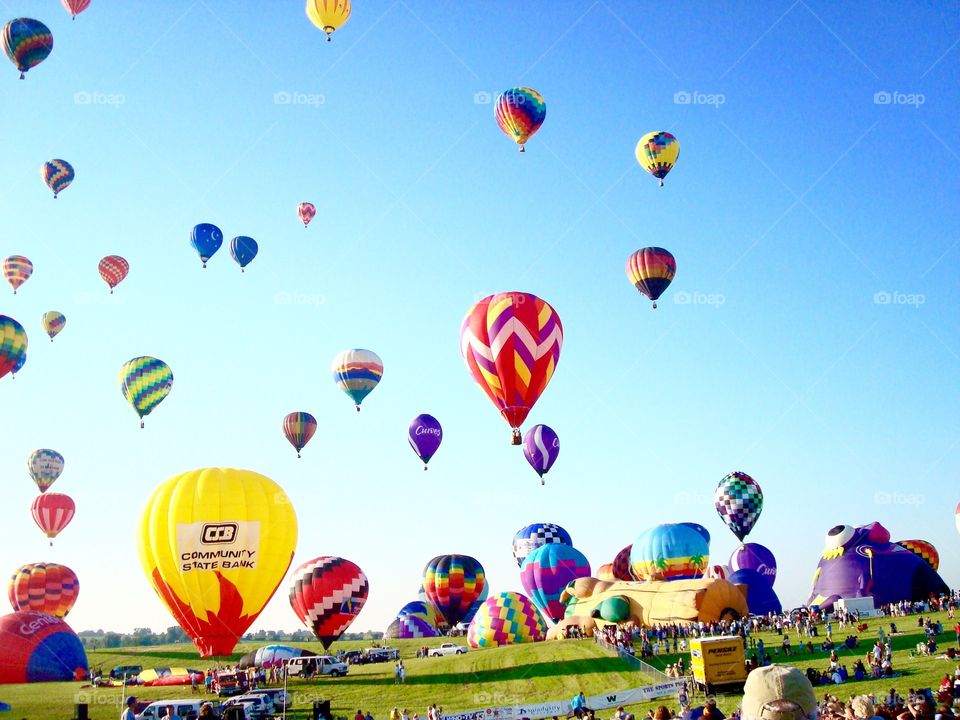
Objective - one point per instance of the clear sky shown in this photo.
(811, 337)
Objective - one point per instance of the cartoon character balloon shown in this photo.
(453, 584)
(306, 211)
(327, 594)
(520, 112)
(357, 373)
(13, 344)
(657, 153)
(673, 551)
(328, 15)
(57, 174)
(507, 618)
(651, 270)
(53, 322)
(739, 501)
(243, 250)
(27, 43)
(547, 571)
(530, 537)
(17, 270)
(541, 448)
(52, 512)
(75, 7)
(511, 344)
(44, 587)
(45, 466)
(215, 543)
(425, 436)
(754, 556)
(206, 240)
(145, 381)
(113, 269)
(299, 427)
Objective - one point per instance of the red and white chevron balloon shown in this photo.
(327, 594)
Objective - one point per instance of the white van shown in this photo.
(316, 665)
(185, 709)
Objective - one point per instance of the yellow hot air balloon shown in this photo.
(328, 15)
(215, 543)
(657, 153)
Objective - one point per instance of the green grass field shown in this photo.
(498, 676)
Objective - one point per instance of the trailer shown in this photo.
(718, 662)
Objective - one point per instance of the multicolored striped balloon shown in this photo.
(651, 270)
(924, 549)
(45, 466)
(739, 501)
(657, 153)
(423, 610)
(27, 43)
(243, 250)
(145, 382)
(57, 174)
(453, 584)
(327, 594)
(52, 512)
(53, 322)
(306, 211)
(44, 587)
(13, 344)
(75, 7)
(113, 269)
(530, 537)
(17, 270)
(299, 427)
(409, 627)
(507, 618)
(357, 373)
(520, 112)
(541, 448)
(547, 571)
(511, 344)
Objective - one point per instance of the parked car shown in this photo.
(316, 665)
(280, 697)
(122, 672)
(446, 649)
(260, 706)
(353, 657)
(185, 709)
(376, 655)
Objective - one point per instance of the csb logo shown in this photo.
(218, 533)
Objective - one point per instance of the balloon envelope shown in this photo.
(113, 269)
(53, 322)
(657, 153)
(507, 618)
(57, 174)
(530, 537)
(675, 551)
(39, 648)
(306, 211)
(425, 436)
(520, 112)
(145, 381)
(621, 564)
(17, 270)
(761, 598)
(357, 372)
(327, 594)
(651, 270)
(75, 7)
(541, 448)
(754, 556)
(739, 501)
(453, 584)
(298, 428)
(243, 250)
(13, 344)
(206, 240)
(547, 571)
(27, 43)
(924, 549)
(45, 466)
(328, 15)
(409, 627)
(52, 512)
(44, 587)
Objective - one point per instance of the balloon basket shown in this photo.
(515, 438)
(654, 305)
(424, 468)
(542, 482)
(298, 456)
(523, 149)
(141, 424)
(358, 408)
(661, 182)
(22, 76)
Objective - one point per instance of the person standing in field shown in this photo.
(128, 713)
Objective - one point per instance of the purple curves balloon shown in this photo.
(754, 556)
(425, 435)
(541, 447)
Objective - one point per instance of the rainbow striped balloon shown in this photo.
(13, 344)
(651, 271)
(145, 382)
(299, 427)
(520, 112)
(357, 373)
(17, 270)
(27, 43)
(506, 619)
(43, 587)
(53, 322)
(57, 174)
(453, 584)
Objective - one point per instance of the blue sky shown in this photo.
(810, 337)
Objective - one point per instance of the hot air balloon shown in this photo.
(52, 512)
(27, 43)
(299, 427)
(547, 571)
(657, 153)
(53, 323)
(145, 381)
(44, 587)
(357, 373)
(754, 556)
(511, 344)
(327, 594)
(530, 537)
(20, 363)
(243, 250)
(215, 543)
(520, 112)
(17, 270)
(206, 240)
(13, 344)
(422, 610)
(306, 211)
(425, 435)
(924, 549)
(739, 500)
(75, 7)
(328, 15)
(673, 551)
(39, 648)
(409, 627)
(541, 447)
(507, 618)
(57, 174)
(650, 270)
(45, 466)
(453, 584)
(113, 269)
(621, 564)
(718, 572)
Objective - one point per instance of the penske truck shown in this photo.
(718, 662)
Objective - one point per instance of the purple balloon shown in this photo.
(541, 446)
(754, 556)
(425, 435)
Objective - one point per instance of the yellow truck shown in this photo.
(718, 661)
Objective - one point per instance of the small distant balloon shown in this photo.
(425, 435)
(299, 427)
(520, 112)
(357, 372)
(45, 466)
(657, 153)
(53, 322)
(206, 240)
(651, 270)
(541, 447)
(27, 43)
(13, 345)
(52, 512)
(306, 211)
(145, 381)
(328, 15)
(17, 270)
(243, 250)
(75, 7)
(113, 269)
(57, 174)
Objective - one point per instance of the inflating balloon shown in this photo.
(761, 597)
(13, 345)
(38, 647)
(547, 571)
(924, 549)
(754, 556)
(357, 373)
(206, 240)
(423, 610)
(243, 250)
(718, 572)
(657, 153)
(621, 564)
(673, 551)
(57, 174)
(45, 466)
(328, 15)
(327, 594)
(17, 270)
(530, 537)
(425, 436)
(53, 322)
(52, 512)
(409, 627)
(453, 584)
(113, 269)
(739, 500)
(145, 381)
(507, 618)
(511, 344)
(651, 270)
(27, 43)
(75, 7)
(215, 543)
(299, 427)
(541, 447)
(520, 112)
(44, 587)
(306, 211)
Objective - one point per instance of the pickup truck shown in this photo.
(446, 649)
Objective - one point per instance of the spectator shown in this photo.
(861, 708)
(171, 715)
(359, 715)
(778, 692)
(662, 713)
(129, 713)
(578, 706)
